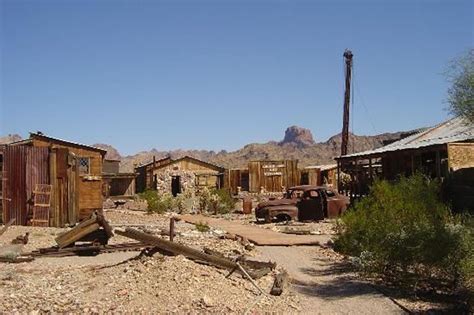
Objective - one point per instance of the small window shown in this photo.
(313, 194)
(83, 165)
(330, 193)
(202, 180)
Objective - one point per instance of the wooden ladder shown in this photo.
(42, 204)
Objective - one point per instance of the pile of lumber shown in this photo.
(95, 230)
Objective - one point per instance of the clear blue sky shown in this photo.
(221, 74)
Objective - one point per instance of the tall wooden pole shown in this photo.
(347, 97)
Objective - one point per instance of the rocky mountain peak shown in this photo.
(10, 138)
(112, 153)
(299, 136)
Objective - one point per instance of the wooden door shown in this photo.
(72, 191)
(175, 185)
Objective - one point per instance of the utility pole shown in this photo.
(347, 97)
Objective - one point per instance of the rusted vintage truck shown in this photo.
(303, 203)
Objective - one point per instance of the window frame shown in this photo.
(79, 165)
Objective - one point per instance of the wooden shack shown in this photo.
(445, 152)
(116, 183)
(320, 175)
(175, 176)
(273, 176)
(237, 180)
(70, 173)
(263, 176)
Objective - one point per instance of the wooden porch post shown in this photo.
(438, 164)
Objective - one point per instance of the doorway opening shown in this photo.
(175, 185)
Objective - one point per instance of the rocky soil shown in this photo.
(127, 282)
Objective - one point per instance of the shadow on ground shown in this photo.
(331, 280)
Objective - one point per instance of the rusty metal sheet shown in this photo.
(37, 172)
(14, 184)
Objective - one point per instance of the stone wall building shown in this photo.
(176, 176)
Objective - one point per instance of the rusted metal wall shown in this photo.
(37, 172)
(23, 168)
(14, 185)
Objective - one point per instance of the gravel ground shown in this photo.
(126, 282)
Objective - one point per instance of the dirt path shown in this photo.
(256, 235)
(324, 285)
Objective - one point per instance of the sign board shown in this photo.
(273, 169)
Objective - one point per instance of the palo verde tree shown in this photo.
(460, 74)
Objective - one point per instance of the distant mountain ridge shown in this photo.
(298, 143)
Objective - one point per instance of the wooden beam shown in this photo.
(179, 249)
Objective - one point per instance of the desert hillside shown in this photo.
(298, 143)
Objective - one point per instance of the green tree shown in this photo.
(461, 93)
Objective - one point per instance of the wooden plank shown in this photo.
(78, 234)
(179, 249)
(54, 210)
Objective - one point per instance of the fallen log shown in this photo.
(179, 249)
(281, 279)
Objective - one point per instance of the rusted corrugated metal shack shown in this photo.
(72, 170)
(445, 151)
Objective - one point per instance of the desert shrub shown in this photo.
(202, 227)
(216, 201)
(224, 203)
(157, 202)
(402, 229)
(467, 263)
(204, 199)
(179, 203)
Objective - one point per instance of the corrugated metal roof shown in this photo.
(66, 142)
(453, 130)
(324, 167)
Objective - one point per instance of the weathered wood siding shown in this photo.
(89, 186)
(119, 186)
(273, 175)
(236, 178)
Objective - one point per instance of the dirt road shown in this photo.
(256, 235)
(324, 284)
